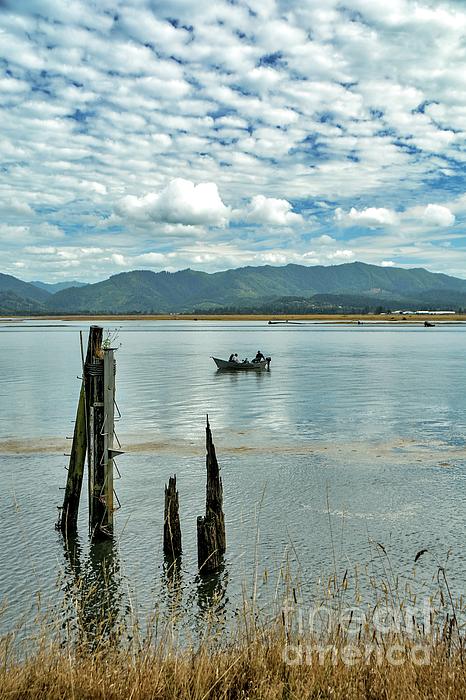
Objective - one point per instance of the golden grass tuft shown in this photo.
(250, 669)
(247, 659)
(394, 646)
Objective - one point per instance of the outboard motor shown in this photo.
(268, 360)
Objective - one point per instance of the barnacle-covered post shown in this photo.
(211, 537)
(171, 525)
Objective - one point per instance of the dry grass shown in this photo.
(371, 636)
(251, 668)
(260, 655)
(364, 633)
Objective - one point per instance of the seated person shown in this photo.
(259, 357)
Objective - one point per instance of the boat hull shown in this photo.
(240, 366)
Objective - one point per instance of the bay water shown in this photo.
(350, 452)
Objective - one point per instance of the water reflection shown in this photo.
(95, 609)
(211, 592)
(172, 586)
(93, 595)
(235, 376)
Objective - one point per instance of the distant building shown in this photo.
(430, 313)
(435, 313)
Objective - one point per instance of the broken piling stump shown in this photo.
(171, 525)
(211, 537)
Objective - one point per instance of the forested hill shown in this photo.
(143, 291)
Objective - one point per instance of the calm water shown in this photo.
(355, 436)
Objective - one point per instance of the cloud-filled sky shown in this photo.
(164, 134)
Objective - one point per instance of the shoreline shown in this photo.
(365, 319)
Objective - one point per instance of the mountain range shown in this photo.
(57, 286)
(350, 286)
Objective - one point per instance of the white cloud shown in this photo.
(11, 85)
(119, 259)
(151, 259)
(40, 250)
(9, 235)
(180, 202)
(268, 210)
(15, 207)
(262, 78)
(318, 102)
(13, 235)
(438, 215)
(344, 254)
(324, 240)
(371, 217)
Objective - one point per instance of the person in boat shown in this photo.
(259, 357)
(231, 358)
(234, 358)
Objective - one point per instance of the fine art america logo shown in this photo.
(388, 635)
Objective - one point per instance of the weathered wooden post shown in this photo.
(171, 525)
(94, 381)
(100, 395)
(211, 538)
(69, 511)
(94, 435)
(109, 418)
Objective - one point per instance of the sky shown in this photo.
(161, 135)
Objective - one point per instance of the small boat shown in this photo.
(238, 366)
(285, 323)
(428, 324)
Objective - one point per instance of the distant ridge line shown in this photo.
(292, 288)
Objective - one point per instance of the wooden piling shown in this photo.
(79, 447)
(69, 512)
(100, 394)
(94, 435)
(94, 382)
(109, 418)
(171, 525)
(211, 537)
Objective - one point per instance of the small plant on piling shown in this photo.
(111, 339)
